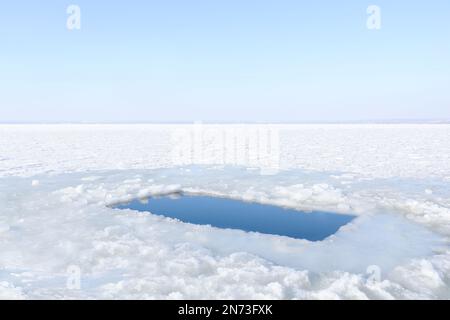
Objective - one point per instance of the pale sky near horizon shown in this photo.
(224, 60)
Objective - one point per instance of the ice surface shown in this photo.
(57, 180)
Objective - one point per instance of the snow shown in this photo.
(57, 182)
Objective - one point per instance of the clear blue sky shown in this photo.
(224, 60)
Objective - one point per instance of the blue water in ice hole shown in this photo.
(247, 216)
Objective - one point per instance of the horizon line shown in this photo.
(390, 121)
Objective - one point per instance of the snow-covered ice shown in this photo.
(56, 182)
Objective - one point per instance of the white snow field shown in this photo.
(59, 239)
